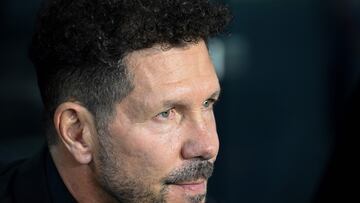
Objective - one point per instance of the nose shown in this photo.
(202, 141)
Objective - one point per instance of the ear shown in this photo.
(76, 130)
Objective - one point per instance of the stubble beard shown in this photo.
(118, 183)
(126, 189)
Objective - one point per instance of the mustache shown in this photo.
(193, 171)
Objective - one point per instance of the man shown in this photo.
(128, 89)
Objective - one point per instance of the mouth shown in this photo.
(198, 186)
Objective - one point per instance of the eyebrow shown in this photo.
(216, 94)
(171, 103)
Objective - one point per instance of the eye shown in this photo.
(206, 104)
(165, 115)
(209, 103)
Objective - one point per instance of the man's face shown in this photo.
(162, 142)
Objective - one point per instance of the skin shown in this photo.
(159, 134)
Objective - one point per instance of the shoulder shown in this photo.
(7, 175)
(24, 180)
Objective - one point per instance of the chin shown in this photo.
(187, 199)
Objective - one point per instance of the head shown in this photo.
(128, 89)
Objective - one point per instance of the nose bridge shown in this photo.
(202, 141)
(199, 122)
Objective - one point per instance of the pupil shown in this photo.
(206, 103)
(165, 114)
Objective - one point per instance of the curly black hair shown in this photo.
(78, 45)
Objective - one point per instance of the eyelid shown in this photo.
(212, 101)
(168, 109)
(170, 113)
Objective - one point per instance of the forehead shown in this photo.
(180, 66)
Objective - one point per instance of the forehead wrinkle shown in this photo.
(143, 60)
(151, 79)
(179, 89)
(185, 93)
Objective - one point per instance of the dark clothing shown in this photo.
(33, 180)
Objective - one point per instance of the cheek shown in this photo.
(146, 151)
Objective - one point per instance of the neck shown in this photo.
(78, 178)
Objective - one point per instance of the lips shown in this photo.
(194, 186)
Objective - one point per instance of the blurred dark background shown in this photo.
(289, 112)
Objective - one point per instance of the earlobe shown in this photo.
(81, 154)
(72, 126)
